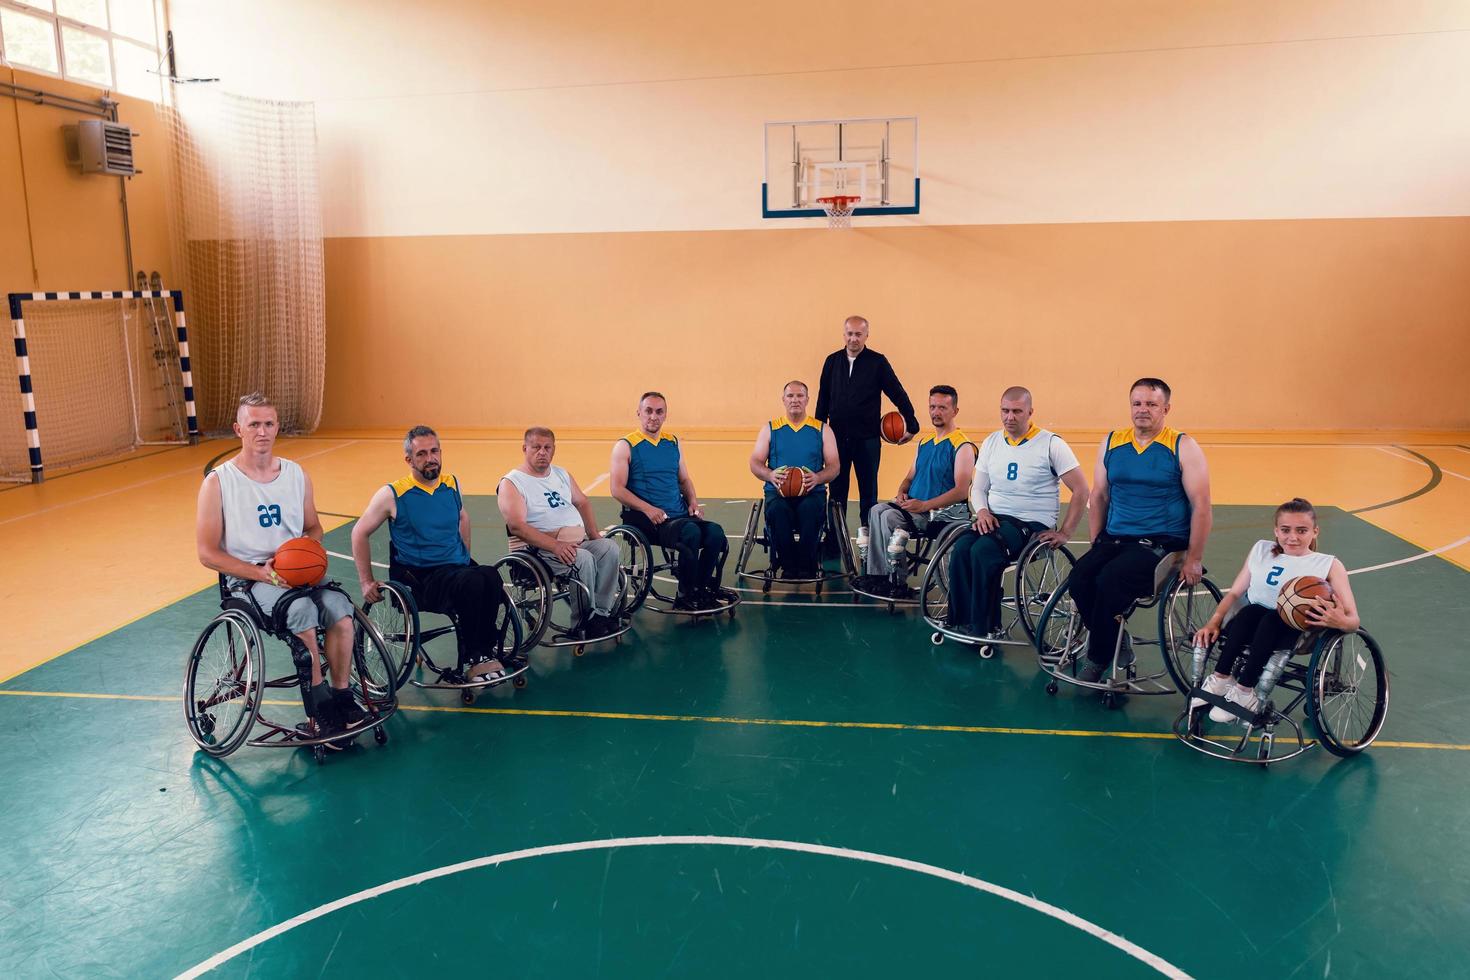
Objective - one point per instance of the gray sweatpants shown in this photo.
(887, 517)
(303, 614)
(597, 568)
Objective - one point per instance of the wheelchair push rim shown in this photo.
(1061, 652)
(1347, 691)
(396, 617)
(235, 679)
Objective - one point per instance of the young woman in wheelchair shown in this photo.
(1257, 630)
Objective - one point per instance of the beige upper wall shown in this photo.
(460, 118)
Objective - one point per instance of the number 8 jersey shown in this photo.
(1270, 572)
(260, 517)
(1023, 475)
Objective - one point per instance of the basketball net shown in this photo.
(839, 209)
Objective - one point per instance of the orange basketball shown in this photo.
(791, 483)
(300, 561)
(1297, 597)
(893, 428)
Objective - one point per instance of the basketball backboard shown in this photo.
(874, 159)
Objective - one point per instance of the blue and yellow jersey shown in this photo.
(653, 471)
(1146, 495)
(795, 445)
(425, 531)
(934, 464)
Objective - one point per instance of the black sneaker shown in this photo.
(347, 708)
(597, 625)
(688, 602)
(900, 590)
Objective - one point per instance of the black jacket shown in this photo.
(851, 405)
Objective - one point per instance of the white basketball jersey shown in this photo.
(548, 499)
(1270, 572)
(1024, 478)
(260, 517)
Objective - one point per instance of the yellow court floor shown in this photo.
(92, 550)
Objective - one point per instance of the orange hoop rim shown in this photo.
(840, 201)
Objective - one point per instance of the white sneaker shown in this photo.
(1243, 696)
(1214, 684)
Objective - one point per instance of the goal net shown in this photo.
(247, 241)
(100, 373)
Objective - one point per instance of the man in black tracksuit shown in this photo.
(853, 379)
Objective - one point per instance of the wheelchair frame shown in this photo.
(834, 527)
(636, 560)
(1062, 659)
(1310, 683)
(1024, 604)
(935, 534)
(542, 627)
(246, 623)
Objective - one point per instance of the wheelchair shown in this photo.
(1061, 636)
(755, 536)
(643, 575)
(1037, 572)
(537, 592)
(913, 561)
(398, 619)
(1340, 677)
(225, 678)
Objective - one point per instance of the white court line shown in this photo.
(1404, 561)
(157, 479)
(1412, 459)
(595, 483)
(338, 554)
(495, 860)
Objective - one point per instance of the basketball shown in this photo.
(1297, 597)
(893, 428)
(791, 483)
(300, 561)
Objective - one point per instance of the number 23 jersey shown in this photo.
(260, 517)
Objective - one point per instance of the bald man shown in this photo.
(849, 394)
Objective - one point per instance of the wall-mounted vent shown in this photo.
(101, 147)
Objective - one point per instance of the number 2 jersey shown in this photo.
(260, 517)
(1270, 572)
(1023, 474)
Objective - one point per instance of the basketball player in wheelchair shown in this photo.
(796, 457)
(1297, 601)
(249, 507)
(430, 570)
(932, 500)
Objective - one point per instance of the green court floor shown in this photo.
(129, 854)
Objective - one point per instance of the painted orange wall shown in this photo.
(1368, 318)
(75, 235)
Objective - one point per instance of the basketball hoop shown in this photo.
(839, 209)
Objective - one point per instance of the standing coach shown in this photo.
(848, 400)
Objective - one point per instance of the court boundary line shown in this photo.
(1436, 477)
(715, 719)
(1153, 960)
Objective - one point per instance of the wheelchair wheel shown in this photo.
(1182, 611)
(934, 591)
(528, 587)
(397, 618)
(748, 539)
(222, 683)
(635, 558)
(375, 671)
(1347, 691)
(1040, 572)
(1061, 636)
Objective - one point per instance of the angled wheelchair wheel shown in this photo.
(374, 668)
(223, 683)
(934, 590)
(396, 617)
(1061, 636)
(1040, 572)
(528, 587)
(748, 539)
(836, 526)
(1183, 609)
(635, 558)
(1347, 691)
